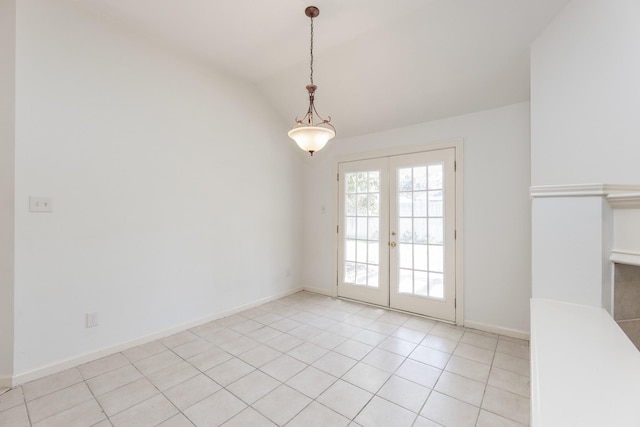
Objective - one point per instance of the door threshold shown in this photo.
(397, 310)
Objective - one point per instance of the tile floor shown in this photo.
(304, 360)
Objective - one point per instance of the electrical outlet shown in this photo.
(92, 320)
(40, 204)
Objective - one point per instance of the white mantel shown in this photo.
(577, 231)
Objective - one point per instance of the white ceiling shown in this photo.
(379, 64)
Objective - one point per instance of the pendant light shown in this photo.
(312, 133)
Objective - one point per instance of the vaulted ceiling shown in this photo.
(379, 64)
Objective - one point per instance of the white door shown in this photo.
(397, 232)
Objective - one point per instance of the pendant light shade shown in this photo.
(312, 132)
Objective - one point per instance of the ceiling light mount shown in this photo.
(312, 135)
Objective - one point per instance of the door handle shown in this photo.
(392, 244)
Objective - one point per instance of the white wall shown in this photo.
(497, 270)
(175, 188)
(585, 95)
(7, 139)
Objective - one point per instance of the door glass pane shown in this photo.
(420, 226)
(362, 228)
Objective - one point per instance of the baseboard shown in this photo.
(6, 381)
(106, 351)
(513, 333)
(321, 291)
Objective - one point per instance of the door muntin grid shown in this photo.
(362, 228)
(420, 230)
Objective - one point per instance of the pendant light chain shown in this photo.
(311, 51)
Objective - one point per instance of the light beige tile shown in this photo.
(439, 343)
(253, 386)
(173, 375)
(383, 359)
(143, 351)
(283, 367)
(112, 380)
(268, 318)
(51, 383)
(85, 414)
(207, 329)
(209, 359)
(259, 355)
(306, 332)
(192, 391)
(284, 342)
(311, 381)
(125, 397)
(100, 366)
(479, 340)
(382, 413)
(215, 409)
(509, 381)
(394, 318)
(409, 334)
(282, 404)
(369, 337)
(253, 312)
(405, 393)
(420, 324)
(366, 377)
(397, 346)
(229, 371)
(448, 411)
(371, 312)
(15, 416)
(151, 412)
(334, 364)
(353, 349)
(472, 352)
(11, 398)
(430, 356)
(238, 345)
(382, 327)
(514, 349)
(468, 368)
(488, 419)
(249, 417)
(507, 405)
(323, 323)
(193, 348)
(328, 340)
(178, 420)
(307, 352)
(285, 325)
(461, 388)
(222, 336)
(423, 422)
(247, 326)
(317, 415)
(58, 401)
(345, 398)
(447, 331)
(419, 373)
(178, 339)
(264, 334)
(157, 362)
(344, 329)
(359, 321)
(512, 364)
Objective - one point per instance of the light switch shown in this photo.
(40, 204)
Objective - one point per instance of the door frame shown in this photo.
(457, 144)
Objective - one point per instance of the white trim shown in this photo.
(513, 333)
(580, 190)
(97, 354)
(625, 257)
(458, 145)
(325, 292)
(624, 200)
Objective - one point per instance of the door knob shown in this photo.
(392, 244)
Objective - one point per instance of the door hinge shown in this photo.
(455, 166)
(337, 229)
(338, 177)
(455, 303)
(455, 234)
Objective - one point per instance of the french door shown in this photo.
(396, 232)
